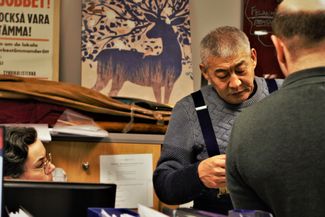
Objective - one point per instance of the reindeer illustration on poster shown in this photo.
(137, 42)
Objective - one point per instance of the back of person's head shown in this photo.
(300, 24)
(224, 42)
(17, 140)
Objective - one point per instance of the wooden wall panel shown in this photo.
(70, 155)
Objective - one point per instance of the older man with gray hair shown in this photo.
(192, 162)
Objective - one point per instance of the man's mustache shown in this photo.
(240, 89)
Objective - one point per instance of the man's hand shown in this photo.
(212, 171)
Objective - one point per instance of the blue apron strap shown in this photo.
(206, 124)
(272, 85)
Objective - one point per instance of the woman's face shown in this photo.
(37, 166)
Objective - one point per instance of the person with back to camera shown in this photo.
(192, 164)
(25, 156)
(278, 165)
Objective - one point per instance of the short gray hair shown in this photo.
(224, 41)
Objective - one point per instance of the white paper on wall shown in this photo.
(133, 175)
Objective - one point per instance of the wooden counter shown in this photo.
(73, 154)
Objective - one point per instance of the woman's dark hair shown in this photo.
(17, 140)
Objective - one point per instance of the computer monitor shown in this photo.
(56, 199)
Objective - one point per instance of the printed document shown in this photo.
(133, 175)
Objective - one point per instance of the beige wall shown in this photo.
(205, 15)
(70, 41)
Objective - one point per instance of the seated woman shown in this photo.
(25, 155)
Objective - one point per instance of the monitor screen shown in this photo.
(1, 164)
(56, 199)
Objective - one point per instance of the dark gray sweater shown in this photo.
(276, 156)
(176, 179)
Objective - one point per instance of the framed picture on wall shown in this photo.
(137, 48)
(29, 38)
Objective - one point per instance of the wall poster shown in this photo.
(29, 38)
(258, 16)
(137, 48)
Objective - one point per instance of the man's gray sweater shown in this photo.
(176, 178)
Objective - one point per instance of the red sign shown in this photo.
(258, 16)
